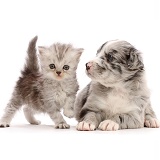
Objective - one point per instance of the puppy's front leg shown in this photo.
(90, 121)
(150, 118)
(131, 120)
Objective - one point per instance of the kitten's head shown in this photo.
(116, 61)
(59, 61)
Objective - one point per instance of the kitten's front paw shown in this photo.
(4, 124)
(68, 113)
(108, 125)
(62, 126)
(35, 122)
(84, 126)
(152, 123)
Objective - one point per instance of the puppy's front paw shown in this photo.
(152, 123)
(108, 125)
(68, 113)
(84, 126)
(62, 126)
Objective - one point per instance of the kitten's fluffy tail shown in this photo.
(31, 65)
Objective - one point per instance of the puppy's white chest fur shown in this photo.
(116, 101)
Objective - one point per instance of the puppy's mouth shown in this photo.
(88, 73)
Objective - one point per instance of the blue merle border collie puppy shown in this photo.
(117, 97)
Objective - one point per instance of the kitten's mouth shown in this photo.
(59, 77)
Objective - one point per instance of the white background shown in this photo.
(86, 24)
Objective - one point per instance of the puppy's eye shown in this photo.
(109, 57)
(66, 67)
(102, 58)
(52, 66)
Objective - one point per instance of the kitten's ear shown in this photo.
(79, 51)
(134, 60)
(42, 49)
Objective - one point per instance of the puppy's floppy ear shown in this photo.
(134, 60)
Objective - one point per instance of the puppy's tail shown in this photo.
(31, 65)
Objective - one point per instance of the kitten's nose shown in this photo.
(58, 72)
(88, 65)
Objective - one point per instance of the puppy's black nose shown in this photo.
(87, 67)
(58, 72)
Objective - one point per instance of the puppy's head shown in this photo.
(116, 61)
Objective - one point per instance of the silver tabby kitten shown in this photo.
(117, 97)
(48, 88)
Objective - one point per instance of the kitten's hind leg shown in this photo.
(29, 115)
(10, 110)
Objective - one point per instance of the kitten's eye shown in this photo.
(66, 67)
(109, 57)
(52, 66)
